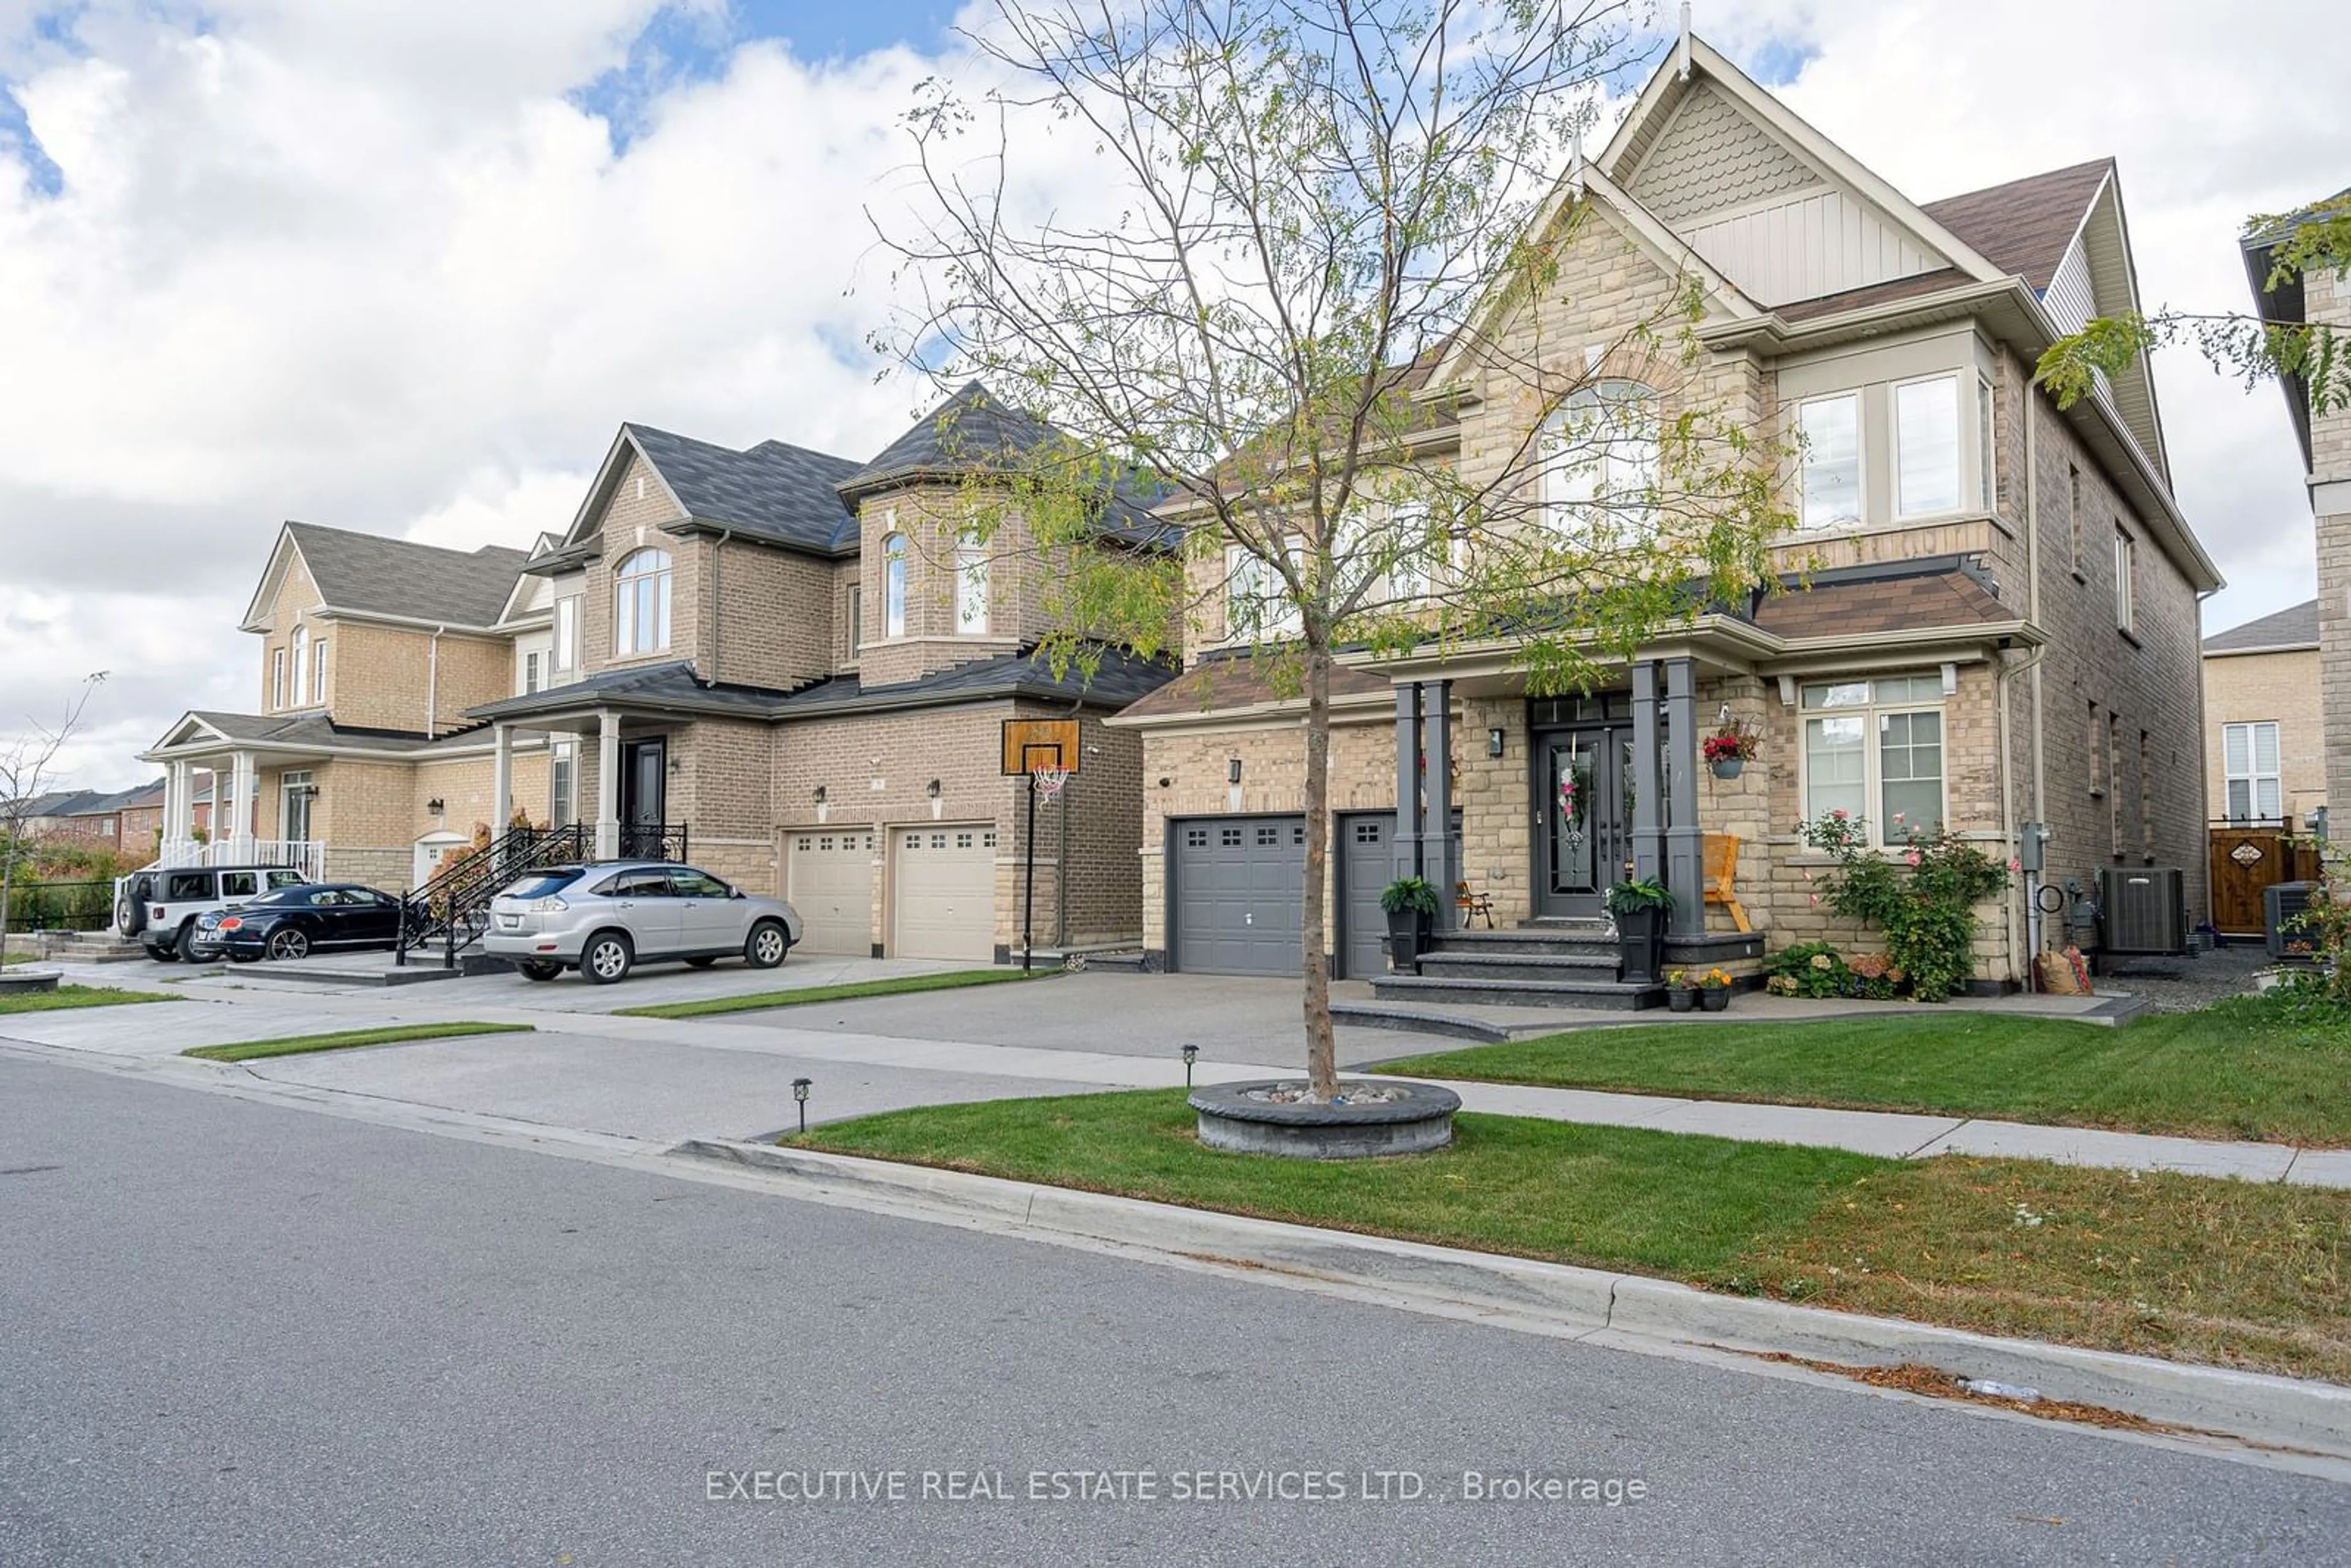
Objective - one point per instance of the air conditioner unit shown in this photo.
(2145, 912)
(2282, 906)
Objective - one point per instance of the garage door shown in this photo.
(945, 899)
(1366, 866)
(832, 887)
(1240, 889)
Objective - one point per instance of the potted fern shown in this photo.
(1411, 904)
(1640, 907)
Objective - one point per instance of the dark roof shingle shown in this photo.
(1953, 598)
(781, 492)
(2294, 627)
(369, 572)
(970, 430)
(1219, 682)
(2024, 226)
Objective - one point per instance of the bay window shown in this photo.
(1830, 489)
(971, 587)
(1873, 750)
(1926, 446)
(894, 586)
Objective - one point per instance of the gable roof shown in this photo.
(775, 491)
(2025, 227)
(370, 574)
(2293, 627)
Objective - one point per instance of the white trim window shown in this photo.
(640, 604)
(2249, 759)
(562, 773)
(318, 673)
(1257, 601)
(531, 675)
(894, 586)
(1412, 570)
(1829, 473)
(1599, 459)
(1987, 450)
(276, 679)
(2126, 582)
(301, 662)
(1873, 750)
(565, 652)
(1926, 446)
(971, 587)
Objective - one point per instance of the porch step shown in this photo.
(1518, 965)
(95, 948)
(1611, 995)
(1133, 963)
(1554, 940)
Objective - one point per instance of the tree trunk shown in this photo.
(1322, 1048)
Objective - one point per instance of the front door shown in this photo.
(645, 780)
(1583, 817)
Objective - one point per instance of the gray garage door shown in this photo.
(1239, 891)
(1366, 866)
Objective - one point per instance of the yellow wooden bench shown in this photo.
(1721, 876)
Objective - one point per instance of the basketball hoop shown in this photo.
(1050, 782)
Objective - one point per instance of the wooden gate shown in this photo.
(2246, 862)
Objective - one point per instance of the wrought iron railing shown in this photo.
(652, 842)
(453, 909)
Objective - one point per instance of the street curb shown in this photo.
(2280, 1411)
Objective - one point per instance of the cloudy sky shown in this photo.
(403, 264)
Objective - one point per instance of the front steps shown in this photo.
(1539, 966)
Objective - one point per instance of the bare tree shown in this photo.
(1325, 226)
(28, 770)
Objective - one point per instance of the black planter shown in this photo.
(1407, 935)
(1641, 945)
(1682, 1001)
(1715, 998)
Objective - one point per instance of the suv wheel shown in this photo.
(539, 969)
(606, 958)
(164, 955)
(288, 944)
(768, 945)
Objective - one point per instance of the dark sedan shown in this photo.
(296, 922)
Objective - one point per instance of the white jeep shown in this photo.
(159, 906)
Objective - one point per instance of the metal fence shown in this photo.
(61, 907)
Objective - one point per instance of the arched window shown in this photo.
(1598, 454)
(971, 586)
(640, 604)
(894, 586)
(301, 663)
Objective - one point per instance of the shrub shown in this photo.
(1923, 899)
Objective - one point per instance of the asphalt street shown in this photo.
(240, 1334)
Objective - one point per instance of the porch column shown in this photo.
(245, 785)
(179, 803)
(1407, 822)
(1684, 834)
(1648, 789)
(501, 778)
(607, 786)
(1436, 826)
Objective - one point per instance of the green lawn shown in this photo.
(2242, 1070)
(2223, 1272)
(66, 996)
(300, 1044)
(952, 980)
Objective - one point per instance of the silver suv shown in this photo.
(603, 920)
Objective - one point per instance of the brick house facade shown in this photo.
(764, 654)
(2000, 627)
(2265, 721)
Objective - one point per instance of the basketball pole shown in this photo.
(1028, 880)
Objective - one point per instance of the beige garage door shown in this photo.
(946, 890)
(832, 888)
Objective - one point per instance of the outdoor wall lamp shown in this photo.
(677, 765)
(1493, 743)
(1191, 1055)
(819, 794)
(932, 789)
(436, 807)
(800, 1097)
(1233, 771)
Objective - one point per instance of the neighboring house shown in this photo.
(2000, 626)
(2320, 298)
(2265, 725)
(791, 667)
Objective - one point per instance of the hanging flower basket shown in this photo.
(1727, 750)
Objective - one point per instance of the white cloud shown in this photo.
(370, 264)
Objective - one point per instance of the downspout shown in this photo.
(2040, 729)
(432, 683)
